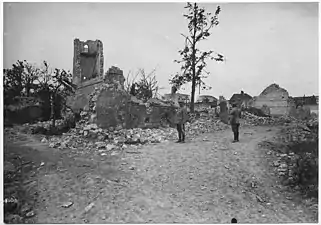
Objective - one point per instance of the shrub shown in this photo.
(304, 168)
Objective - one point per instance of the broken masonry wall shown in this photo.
(28, 114)
(88, 61)
(24, 110)
(276, 106)
(111, 108)
(302, 112)
(80, 100)
(275, 98)
(313, 108)
(157, 114)
(224, 112)
(114, 107)
(104, 97)
(136, 115)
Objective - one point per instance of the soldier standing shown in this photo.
(235, 116)
(182, 117)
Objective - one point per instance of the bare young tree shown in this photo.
(130, 81)
(193, 59)
(143, 85)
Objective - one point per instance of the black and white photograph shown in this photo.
(201, 112)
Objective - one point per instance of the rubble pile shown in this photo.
(17, 202)
(87, 135)
(297, 132)
(313, 123)
(90, 136)
(35, 127)
(204, 125)
(297, 169)
(253, 120)
(296, 154)
(285, 165)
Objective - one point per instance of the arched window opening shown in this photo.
(86, 48)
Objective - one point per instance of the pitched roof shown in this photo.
(209, 97)
(242, 96)
(272, 88)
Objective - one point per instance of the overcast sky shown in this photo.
(264, 43)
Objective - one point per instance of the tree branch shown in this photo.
(187, 38)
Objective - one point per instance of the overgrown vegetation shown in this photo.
(44, 85)
(142, 85)
(306, 170)
(193, 60)
(300, 162)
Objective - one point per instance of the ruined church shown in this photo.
(103, 95)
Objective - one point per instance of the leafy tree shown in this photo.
(24, 79)
(19, 80)
(56, 87)
(60, 89)
(193, 60)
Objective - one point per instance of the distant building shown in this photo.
(177, 97)
(241, 99)
(205, 102)
(309, 101)
(207, 99)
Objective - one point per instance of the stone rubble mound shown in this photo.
(251, 119)
(87, 135)
(296, 152)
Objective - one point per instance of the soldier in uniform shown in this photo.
(181, 119)
(235, 116)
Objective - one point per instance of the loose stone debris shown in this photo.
(88, 136)
(67, 204)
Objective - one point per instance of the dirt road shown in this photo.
(206, 180)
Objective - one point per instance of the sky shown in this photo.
(263, 43)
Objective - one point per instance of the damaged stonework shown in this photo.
(112, 100)
(88, 61)
(116, 108)
(274, 100)
(88, 71)
(104, 100)
(109, 105)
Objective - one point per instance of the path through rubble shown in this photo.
(205, 180)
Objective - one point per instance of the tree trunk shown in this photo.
(193, 95)
(193, 63)
(53, 117)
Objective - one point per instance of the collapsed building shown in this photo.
(103, 96)
(274, 100)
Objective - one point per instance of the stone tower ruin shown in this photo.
(88, 60)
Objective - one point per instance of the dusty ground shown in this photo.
(206, 180)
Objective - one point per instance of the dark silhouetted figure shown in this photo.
(174, 90)
(235, 122)
(233, 220)
(133, 89)
(182, 117)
